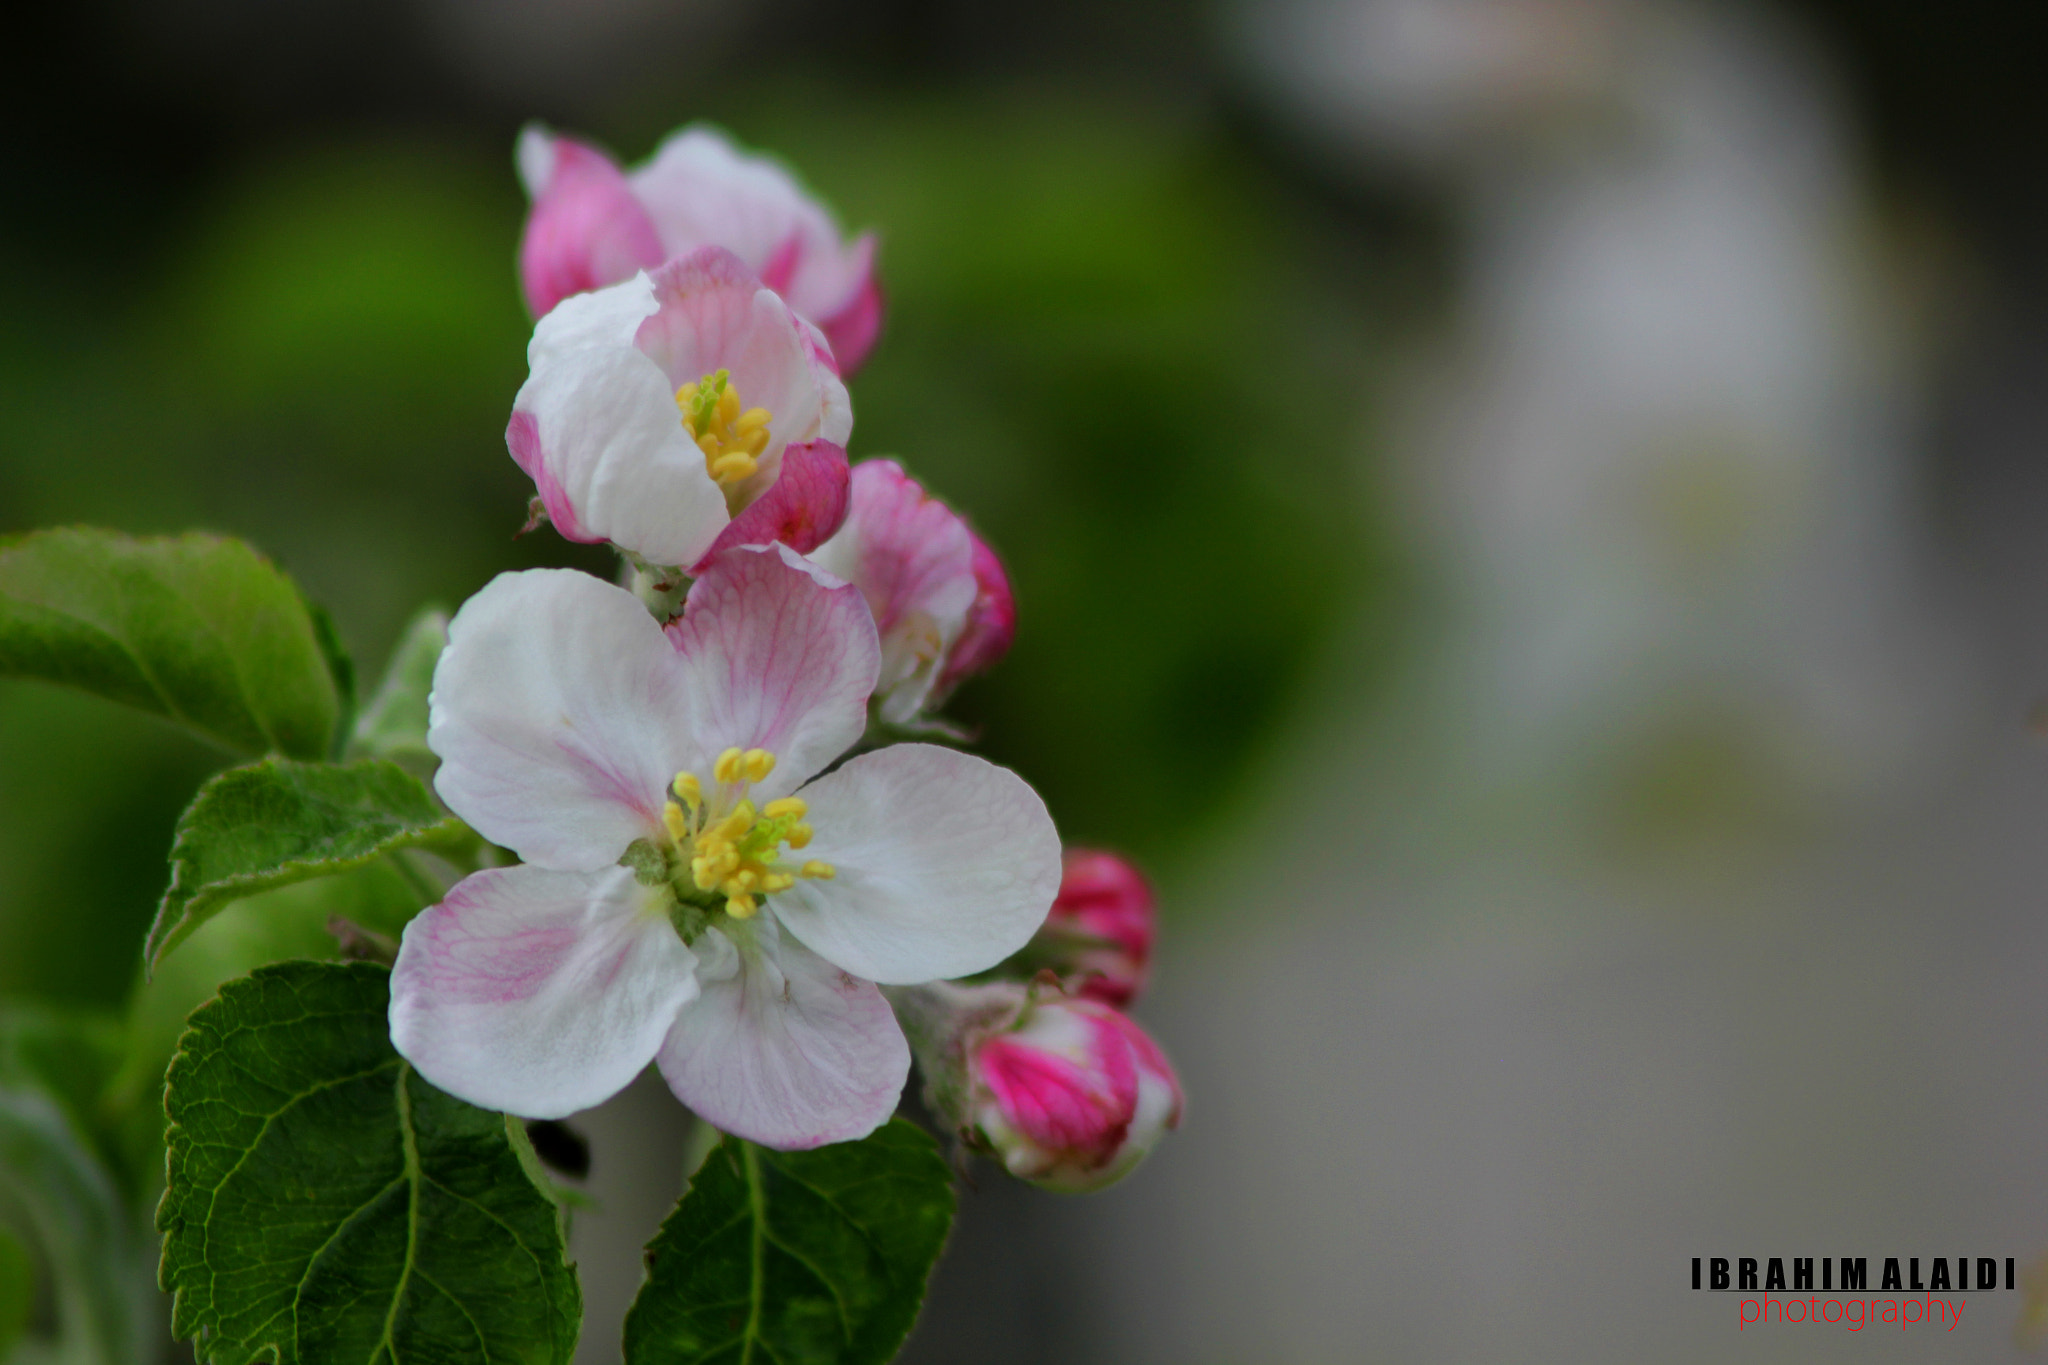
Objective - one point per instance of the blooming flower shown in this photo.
(939, 595)
(594, 225)
(686, 897)
(682, 412)
(1066, 1092)
(1101, 928)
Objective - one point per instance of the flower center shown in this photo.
(732, 440)
(729, 846)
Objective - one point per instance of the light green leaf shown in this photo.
(55, 1189)
(197, 628)
(394, 724)
(279, 821)
(326, 1204)
(796, 1258)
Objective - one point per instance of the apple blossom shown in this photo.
(593, 224)
(1067, 1093)
(686, 897)
(682, 412)
(1100, 931)
(939, 595)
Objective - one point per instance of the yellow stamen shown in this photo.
(740, 907)
(727, 769)
(760, 763)
(786, 805)
(799, 836)
(677, 824)
(689, 790)
(818, 870)
(731, 437)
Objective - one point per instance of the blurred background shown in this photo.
(1526, 516)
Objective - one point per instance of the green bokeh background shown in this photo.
(1122, 341)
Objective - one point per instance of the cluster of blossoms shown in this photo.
(726, 867)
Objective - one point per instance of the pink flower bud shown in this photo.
(1072, 1096)
(1100, 931)
(991, 621)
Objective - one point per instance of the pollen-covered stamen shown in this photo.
(731, 847)
(731, 438)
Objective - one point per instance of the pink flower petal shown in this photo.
(913, 560)
(701, 190)
(586, 230)
(781, 1047)
(601, 434)
(539, 993)
(804, 506)
(559, 714)
(776, 655)
(945, 865)
(991, 622)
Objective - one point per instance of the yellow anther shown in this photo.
(740, 907)
(786, 805)
(677, 824)
(685, 396)
(817, 870)
(728, 405)
(733, 466)
(689, 790)
(703, 874)
(799, 836)
(728, 769)
(760, 763)
(753, 419)
(777, 881)
(741, 882)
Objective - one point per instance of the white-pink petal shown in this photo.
(698, 188)
(558, 712)
(945, 865)
(713, 314)
(912, 558)
(606, 432)
(776, 655)
(782, 1048)
(539, 993)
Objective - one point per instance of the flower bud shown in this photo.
(1074, 1096)
(1100, 931)
(1067, 1093)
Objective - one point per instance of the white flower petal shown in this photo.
(539, 993)
(558, 711)
(783, 1048)
(779, 656)
(609, 435)
(945, 863)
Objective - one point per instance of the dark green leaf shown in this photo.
(196, 628)
(91, 1245)
(340, 667)
(326, 1204)
(280, 821)
(394, 724)
(796, 1258)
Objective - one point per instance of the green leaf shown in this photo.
(394, 724)
(279, 821)
(796, 1258)
(196, 628)
(91, 1245)
(327, 1204)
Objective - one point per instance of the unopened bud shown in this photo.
(1099, 933)
(1067, 1093)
